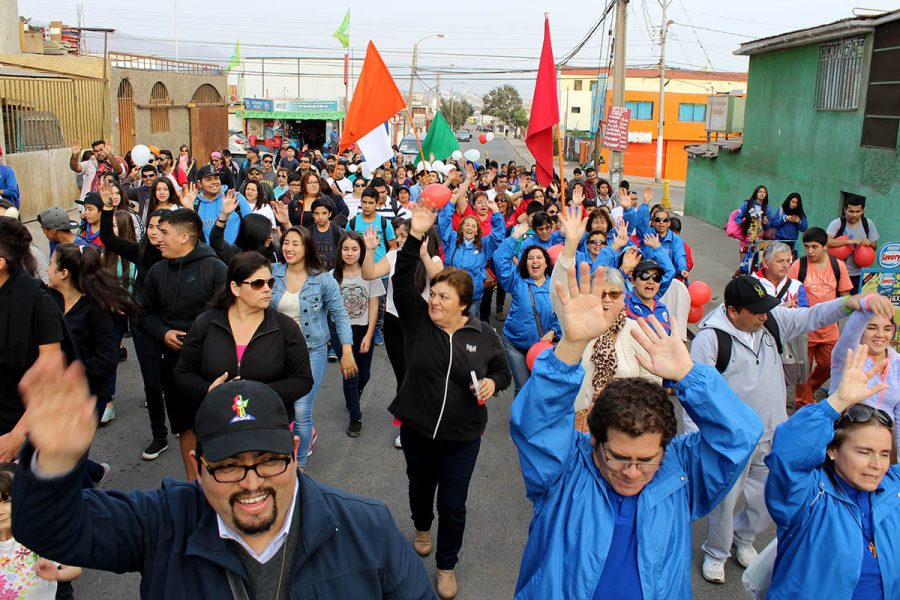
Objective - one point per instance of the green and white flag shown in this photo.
(440, 142)
(343, 32)
(235, 60)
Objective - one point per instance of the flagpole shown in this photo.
(562, 180)
(416, 133)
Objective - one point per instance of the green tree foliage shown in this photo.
(456, 111)
(505, 104)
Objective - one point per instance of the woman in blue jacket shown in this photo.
(308, 294)
(467, 249)
(789, 221)
(835, 496)
(531, 317)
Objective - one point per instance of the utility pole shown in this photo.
(437, 91)
(412, 79)
(662, 89)
(615, 156)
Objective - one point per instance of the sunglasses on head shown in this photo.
(647, 275)
(863, 413)
(661, 220)
(257, 284)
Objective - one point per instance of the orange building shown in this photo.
(683, 122)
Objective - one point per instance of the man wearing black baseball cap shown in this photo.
(208, 203)
(90, 219)
(251, 526)
(743, 338)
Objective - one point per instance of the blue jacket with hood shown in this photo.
(466, 256)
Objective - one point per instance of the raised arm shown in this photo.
(407, 298)
(370, 268)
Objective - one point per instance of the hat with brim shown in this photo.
(748, 292)
(242, 416)
(91, 199)
(56, 218)
(207, 171)
(647, 265)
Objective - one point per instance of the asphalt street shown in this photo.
(498, 512)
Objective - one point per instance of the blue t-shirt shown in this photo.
(78, 241)
(620, 579)
(869, 584)
(359, 225)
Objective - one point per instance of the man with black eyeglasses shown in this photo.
(250, 526)
(641, 484)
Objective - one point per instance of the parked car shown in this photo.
(463, 135)
(409, 147)
(237, 143)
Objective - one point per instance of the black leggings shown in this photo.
(393, 344)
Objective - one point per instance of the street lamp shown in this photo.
(412, 74)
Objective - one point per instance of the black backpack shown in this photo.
(725, 342)
(840, 231)
(835, 267)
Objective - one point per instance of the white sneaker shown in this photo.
(109, 413)
(745, 554)
(397, 443)
(714, 570)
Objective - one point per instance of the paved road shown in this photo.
(498, 512)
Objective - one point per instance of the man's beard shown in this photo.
(258, 526)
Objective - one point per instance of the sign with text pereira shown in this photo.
(615, 134)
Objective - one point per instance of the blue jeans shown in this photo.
(517, 364)
(354, 386)
(303, 408)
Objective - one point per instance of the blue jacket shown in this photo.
(350, 546)
(786, 231)
(209, 211)
(819, 545)
(636, 309)
(320, 291)
(673, 246)
(743, 208)
(520, 328)
(638, 220)
(466, 256)
(534, 240)
(9, 188)
(611, 259)
(573, 521)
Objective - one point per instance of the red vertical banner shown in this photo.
(544, 112)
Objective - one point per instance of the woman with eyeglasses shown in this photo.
(874, 327)
(835, 496)
(531, 317)
(613, 355)
(245, 337)
(354, 199)
(308, 294)
(225, 174)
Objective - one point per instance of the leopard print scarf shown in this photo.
(604, 355)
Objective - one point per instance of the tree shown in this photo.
(456, 111)
(503, 102)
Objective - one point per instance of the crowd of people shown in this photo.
(238, 281)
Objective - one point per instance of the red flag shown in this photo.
(544, 112)
(375, 100)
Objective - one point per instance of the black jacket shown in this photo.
(435, 399)
(94, 334)
(276, 355)
(143, 254)
(176, 291)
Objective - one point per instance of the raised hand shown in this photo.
(578, 195)
(621, 238)
(281, 212)
(423, 250)
(188, 194)
(651, 240)
(492, 206)
(229, 203)
(422, 220)
(371, 239)
(76, 148)
(669, 357)
(519, 230)
(625, 200)
(60, 412)
(854, 385)
(630, 259)
(648, 195)
(106, 194)
(573, 223)
(582, 316)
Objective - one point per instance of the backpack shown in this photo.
(725, 342)
(840, 231)
(835, 267)
(352, 226)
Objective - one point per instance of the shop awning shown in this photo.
(328, 115)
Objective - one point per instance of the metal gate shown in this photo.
(209, 131)
(126, 117)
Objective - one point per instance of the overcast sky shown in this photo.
(479, 35)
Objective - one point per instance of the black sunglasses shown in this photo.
(257, 284)
(647, 275)
(863, 413)
(661, 220)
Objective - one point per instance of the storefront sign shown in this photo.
(258, 104)
(296, 106)
(615, 134)
(884, 278)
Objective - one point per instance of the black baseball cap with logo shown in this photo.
(207, 171)
(747, 292)
(91, 199)
(242, 416)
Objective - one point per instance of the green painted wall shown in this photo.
(791, 147)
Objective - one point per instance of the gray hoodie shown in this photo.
(754, 371)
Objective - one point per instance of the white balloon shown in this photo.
(447, 169)
(366, 170)
(472, 155)
(352, 168)
(457, 154)
(438, 166)
(141, 155)
(490, 136)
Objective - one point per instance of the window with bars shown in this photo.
(840, 74)
(159, 108)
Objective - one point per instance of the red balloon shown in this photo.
(536, 351)
(482, 139)
(695, 314)
(436, 195)
(841, 252)
(700, 293)
(554, 252)
(863, 256)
